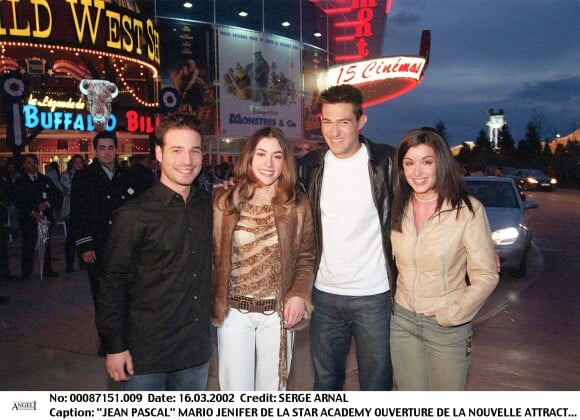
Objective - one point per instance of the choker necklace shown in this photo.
(425, 201)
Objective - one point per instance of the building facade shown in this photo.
(235, 65)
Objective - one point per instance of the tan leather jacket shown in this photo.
(433, 264)
(296, 238)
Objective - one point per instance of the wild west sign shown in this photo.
(80, 24)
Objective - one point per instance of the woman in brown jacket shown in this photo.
(263, 265)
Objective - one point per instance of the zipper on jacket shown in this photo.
(441, 260)
(416, 280)
(415, 248)
(443, 272)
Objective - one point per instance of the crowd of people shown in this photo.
(358, 240)
(28, 196)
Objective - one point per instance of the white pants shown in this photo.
(248, 351)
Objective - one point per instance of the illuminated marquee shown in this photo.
(93, 24)
(357, 27)
(50, 114)
(53, 104)
(380, 79)
(61, 120)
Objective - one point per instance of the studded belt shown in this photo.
(246, 304)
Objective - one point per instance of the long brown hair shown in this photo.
(449, 183)
(245, 182)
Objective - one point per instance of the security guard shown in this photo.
(96, 192)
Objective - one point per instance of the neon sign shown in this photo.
(357, 28)
(379, 79)
(59, 120)
(93, 24)
(141, 123)
(53, 104)
(375, 70)
(35, 117)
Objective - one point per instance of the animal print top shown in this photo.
(255, 254)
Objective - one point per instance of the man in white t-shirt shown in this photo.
(349, 185)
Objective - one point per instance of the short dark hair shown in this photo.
(344, 94)
(69, 164)
(105, 135)
(31, 156)
(175, 121)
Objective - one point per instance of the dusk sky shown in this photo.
(519, 55)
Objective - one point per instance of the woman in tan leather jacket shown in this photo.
(263, 265)
(439, 236)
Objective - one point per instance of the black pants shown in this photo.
(4, 261)
(69, 247)
(95, 271)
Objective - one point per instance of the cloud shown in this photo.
(405, 18)
(551, 91)
(517, 55)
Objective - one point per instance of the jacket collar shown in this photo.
(445, 207)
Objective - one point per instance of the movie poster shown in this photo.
(314, 63)
(187, 71)
(260, 81)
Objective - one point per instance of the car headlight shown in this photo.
(553, 181)
(505, 236)
(532, 180)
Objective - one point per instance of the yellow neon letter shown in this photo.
(45, 33)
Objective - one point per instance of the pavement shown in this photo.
(48, 340)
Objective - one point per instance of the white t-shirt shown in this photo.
(352, 261)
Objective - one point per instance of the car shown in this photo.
(507, 211)
(533, 179)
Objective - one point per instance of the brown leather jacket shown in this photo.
(296, 238)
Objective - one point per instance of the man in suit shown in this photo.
(96, 193)
(36, 197)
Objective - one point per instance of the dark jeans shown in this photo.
(190, 379)
(336, 320)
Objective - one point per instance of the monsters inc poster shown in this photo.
(259, 83)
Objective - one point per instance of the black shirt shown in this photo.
(155, 298)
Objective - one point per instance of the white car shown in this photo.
(506, 208)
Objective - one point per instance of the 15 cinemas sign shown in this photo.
(92, 24)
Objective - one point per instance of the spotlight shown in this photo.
(242, 13)
(285, 24)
